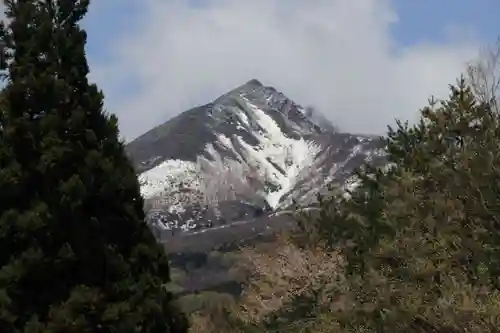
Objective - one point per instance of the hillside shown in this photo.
(249, 152)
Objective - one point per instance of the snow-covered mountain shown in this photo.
(251, 150)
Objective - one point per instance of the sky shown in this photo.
(363, 63)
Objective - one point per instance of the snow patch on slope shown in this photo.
(277, 158)
(169, 176)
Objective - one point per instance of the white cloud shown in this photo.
(335, 54)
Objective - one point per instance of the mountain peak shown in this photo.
(249, 86)
(251, 146)
(254, 82)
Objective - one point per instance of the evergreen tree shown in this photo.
(421, 241)
(75, 252)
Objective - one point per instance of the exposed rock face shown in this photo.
(250, 151)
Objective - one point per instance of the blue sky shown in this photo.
(428, 19)
(106, 22)
(418, 20)
(134, 47)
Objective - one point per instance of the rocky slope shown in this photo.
(250, 151)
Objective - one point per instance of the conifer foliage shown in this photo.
(415, 248)
(75, 253)
(421, 239)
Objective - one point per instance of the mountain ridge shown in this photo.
(253, 148)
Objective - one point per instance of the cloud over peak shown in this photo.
(338, 55)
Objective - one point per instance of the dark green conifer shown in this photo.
(75, 252)
(421, 241)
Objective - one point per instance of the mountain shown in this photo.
(250, 152)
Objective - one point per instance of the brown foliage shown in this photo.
(279, 274)
(276, 274)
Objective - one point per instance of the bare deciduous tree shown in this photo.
(483, 75)
(276, 276)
